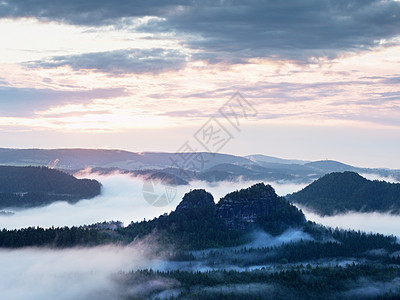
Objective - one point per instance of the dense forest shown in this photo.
(353, 281)
(325, 244)
(348, 191)
(36, 186)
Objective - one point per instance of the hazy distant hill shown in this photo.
(35, 186)
(329, 166)
(231, 172)
(264, 159)
(183, 166)
(74, 159)
(348, 191)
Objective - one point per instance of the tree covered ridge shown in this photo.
(33, 186)
(348, 191)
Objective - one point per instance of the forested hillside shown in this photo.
(348, 191)
(34, 186)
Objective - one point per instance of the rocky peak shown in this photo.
(257, 205)
(196, 199)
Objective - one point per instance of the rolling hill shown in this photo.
(348, 191)
(36, 186)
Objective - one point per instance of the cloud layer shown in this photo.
(383, 223)
(25, 101)
(235, 30)
(129, 61)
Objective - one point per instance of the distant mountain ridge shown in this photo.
(77, 159)
(178, 166)
(259, 158)
(341, 192)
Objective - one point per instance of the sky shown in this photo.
(318, 79)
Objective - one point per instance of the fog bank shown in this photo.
(77, 273)
(121, 199)
(384, 223)
(372, 176)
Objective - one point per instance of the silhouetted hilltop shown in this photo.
(348, 191)
(35, 186)
(199, 223)
(192, 225)
(196, 200)
(258, 206)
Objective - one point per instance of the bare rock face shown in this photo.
(257, 206)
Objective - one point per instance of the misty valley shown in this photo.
(93, 234)
(232, 149)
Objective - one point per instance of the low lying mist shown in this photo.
(121, 199)
(375, 222)
(262, 239)
(89, 273)
(77, 273)
(92, 273)
(372, 176)
(109, 272)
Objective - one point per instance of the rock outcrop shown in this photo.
(258, 206)
(255, 207)
(196, 200)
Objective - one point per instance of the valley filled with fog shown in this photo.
(122, 200)
(100, 271)
(199, 150)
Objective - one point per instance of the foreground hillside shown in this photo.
(35, 186)
(252, 244)
(348, 191)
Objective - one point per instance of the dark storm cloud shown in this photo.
(116, 62)
(18, 102)
(233, 30)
